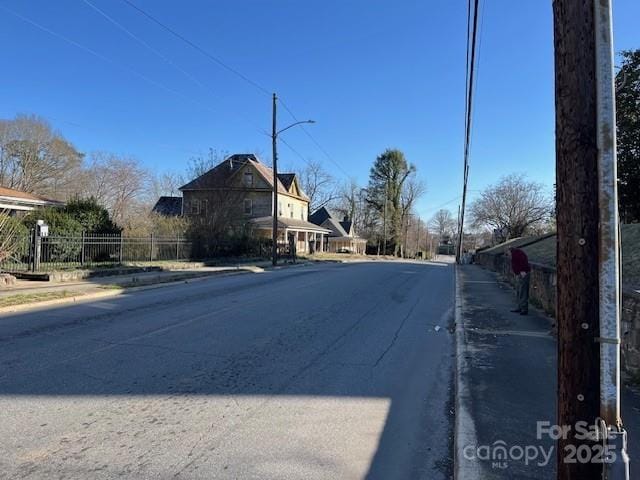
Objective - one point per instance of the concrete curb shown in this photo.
(464, 430)
(128, 288)
(82, 298)
(59, 301)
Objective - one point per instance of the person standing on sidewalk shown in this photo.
(522, 271)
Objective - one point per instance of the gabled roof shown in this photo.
(319, 216)
(335, 227)
(20, 195)
(346, 225)
(286, 179)
(324, 217)
(219, 176)
(169, 206)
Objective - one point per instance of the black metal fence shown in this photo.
(57, 252)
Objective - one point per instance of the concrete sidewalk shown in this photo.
(507, 383)
(26, 294)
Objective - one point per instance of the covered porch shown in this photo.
(355, 245)
(307, 237)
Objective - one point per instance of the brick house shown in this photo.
(239, 191)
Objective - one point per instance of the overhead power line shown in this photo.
(162, 56)
(105, 58)
(472, 38)
(316, 143)
(237, 73)
(200, 49)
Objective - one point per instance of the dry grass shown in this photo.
(23, 298)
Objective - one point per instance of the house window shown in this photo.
(279, 209)
(248, 179)
(195, 207)
(248, 206)
(204, 204)
(290, 205)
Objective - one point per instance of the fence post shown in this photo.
(121, 255)
(37, 249)
(151, 249)
(82, 249)
(32, 250)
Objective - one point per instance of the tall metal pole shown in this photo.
(608, 203)
(384, 218)
(587, 248)
(459, 239)
(609, 244)
(274, 227)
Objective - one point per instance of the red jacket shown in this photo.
(519, 261)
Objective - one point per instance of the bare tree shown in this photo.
(197, 166)
(163, 184)
(443, 223)
(116, 182)
(349, 201)
(513, 205)
(412, 189)
(35, 158)
(318, 184)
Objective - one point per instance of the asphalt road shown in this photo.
(312, 372)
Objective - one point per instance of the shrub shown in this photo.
(62, 245)
(93, 217)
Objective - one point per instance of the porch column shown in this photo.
(306, 242)
(321, 242)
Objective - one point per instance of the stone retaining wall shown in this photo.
(543, 295)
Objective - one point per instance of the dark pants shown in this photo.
(522, 291)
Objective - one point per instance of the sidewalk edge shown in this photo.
(59, 301)
(464, 430)
(117, 291)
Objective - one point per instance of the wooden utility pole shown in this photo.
(577, 227)
(274, 147)
(384, 218)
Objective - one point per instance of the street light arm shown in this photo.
(293, 125)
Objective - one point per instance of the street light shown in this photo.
(274, 138)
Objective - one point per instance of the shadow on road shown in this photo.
(305, 368)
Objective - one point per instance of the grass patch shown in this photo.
(24, 298)
(144, 282)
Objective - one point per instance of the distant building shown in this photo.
(240, 190)
(168, 206)
(18, 203)
(343, 237)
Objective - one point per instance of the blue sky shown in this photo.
(373, 74)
